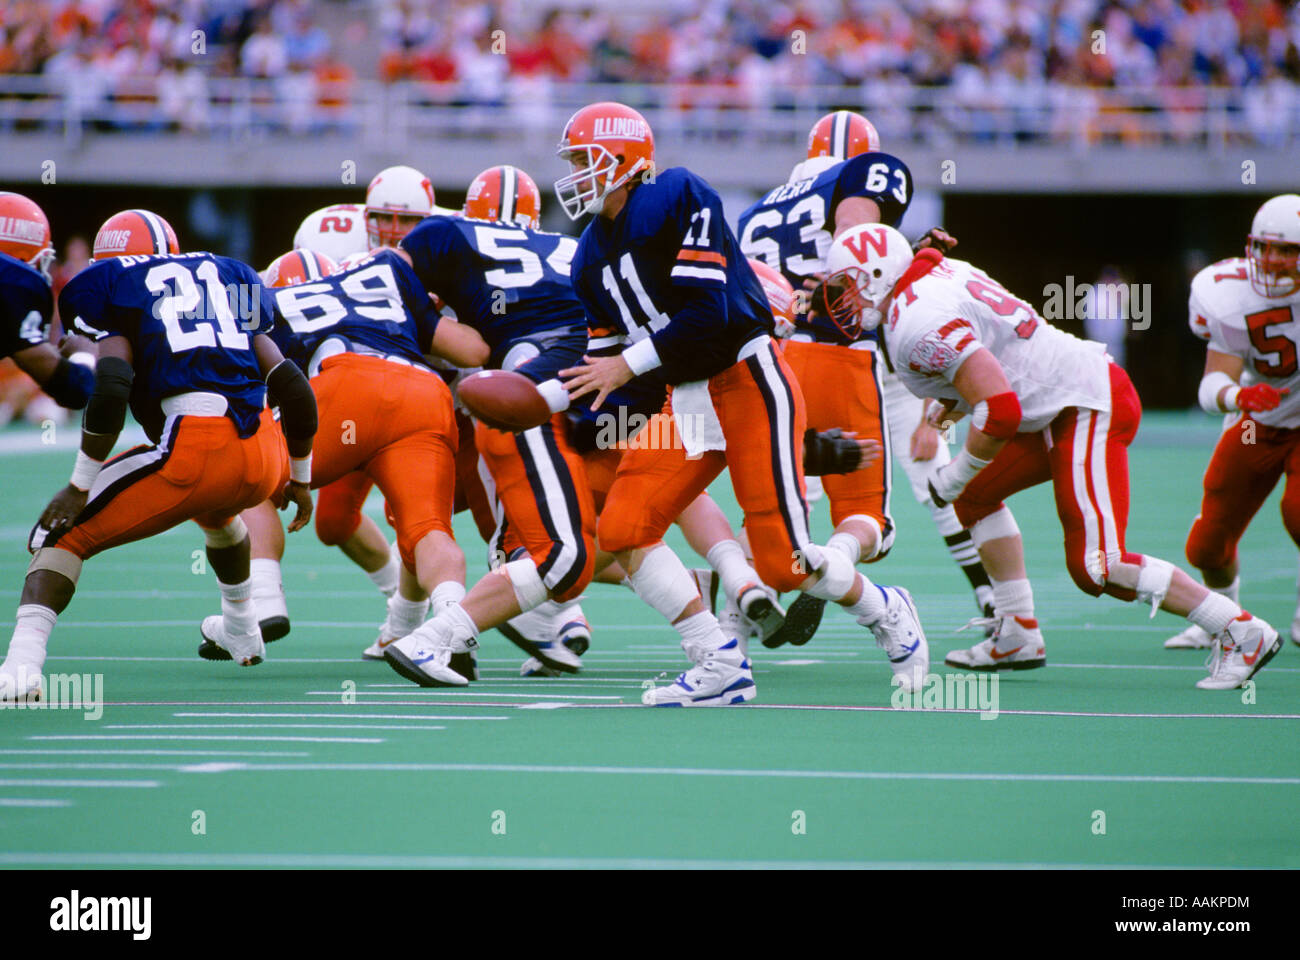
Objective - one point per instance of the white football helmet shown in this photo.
(862, 267)
(396, 200)
(338, 231)
(1273, 247)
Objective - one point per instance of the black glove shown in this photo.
(829, 452)
(936, 237)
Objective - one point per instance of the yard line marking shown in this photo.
(98, 765)
(109, 751)
(350, 716)
(88, 784)
(548, 682)
(467, 693)
(23, 802)
(761, 774)
(272, 726)
(205, 736)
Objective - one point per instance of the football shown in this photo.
(504, 400)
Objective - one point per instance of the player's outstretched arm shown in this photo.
(995, 419)
(65, 372)
(105, 415)
(1221, 392)
(459, 343)
(293, 394)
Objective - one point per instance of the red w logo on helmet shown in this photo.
(857, 245)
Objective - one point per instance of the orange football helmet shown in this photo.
(298, 266)
(780, 296)
(25, 232)
(134, 233)
(841, 135)
(504, 193)
(606, 145)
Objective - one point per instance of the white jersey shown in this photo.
(338, 231)
(1225, 311)
(952, 311)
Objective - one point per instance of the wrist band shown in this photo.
(85, 472)
(300, 470)
(84, 358)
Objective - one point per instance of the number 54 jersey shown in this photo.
(939, 319)
(1263, 331)
(190, 319)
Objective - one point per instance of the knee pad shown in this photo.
(837, 577)
(58, 560)
(335, 523)
(527, 583)
(663, 582)
(998, 524)
(874, 524)
(1153, 581)
(228, 536)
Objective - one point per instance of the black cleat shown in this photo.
(273, 628)
(802, 619)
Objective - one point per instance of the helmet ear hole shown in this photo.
(876, 272)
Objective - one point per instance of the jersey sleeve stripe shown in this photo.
(603, 343)
(705, 256)
(964, 342)
(699, 273)
(952, 325)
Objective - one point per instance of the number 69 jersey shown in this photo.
(1263, 331)
(937, 321)
(190, 319)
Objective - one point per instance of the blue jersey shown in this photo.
(790, 228)
(509, 283)
(378, 306)
(190, 319)
(26, 306)
(668, 269)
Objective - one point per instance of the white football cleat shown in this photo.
(20, 683)
(426, 662)
(758, 605)
(720, 679)
(247, 650)
(1240, 652)
(1017, 644)
(898, 632)
(1192, 638)
(573, 640)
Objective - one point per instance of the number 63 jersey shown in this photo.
(190, 319)
(1262, 331)
(941, 318)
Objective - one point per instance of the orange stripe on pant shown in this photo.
(208, 474)
(542, 485)
(397, 424)
(763, 422)
(840, 390)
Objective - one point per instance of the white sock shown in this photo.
(727, 557)
(32, 628)
(871, 605)
(405, 615)
(267, 582)
(1214, 613)
(701, 636)
(445, 593)
(1232, 591)
(385, 578)
(847, 544)
(1013, 598)
(237, 607)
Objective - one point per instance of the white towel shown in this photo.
(696, 419)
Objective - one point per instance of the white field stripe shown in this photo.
(750, 774)
(101, 751)
(81, 784)
(463, 693)
(270, 726)
(21, 802)
(546, 683)
(554, 504)
(1080, 457)
(205, 736)
(1101, 483)
(350, 716)
(699, 273)
(408, 861)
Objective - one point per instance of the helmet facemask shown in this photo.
(42, 260)
(386, 227)
(851, 297)
(1273, 265)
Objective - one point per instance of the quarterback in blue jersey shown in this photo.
(845, 181)
(66, 372)
(661, 276)
(184, 342)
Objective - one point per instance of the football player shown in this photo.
(338, 232)
(1248, 311)
(184, 342)
(362, 335)
(1044, 406)
(66, 372)
(845, 181)
(666, 288)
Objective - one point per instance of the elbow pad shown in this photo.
(293, 395)
(70, 384)
(829, 452)
(1208, 394)
(106, 409)
(998, 416)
